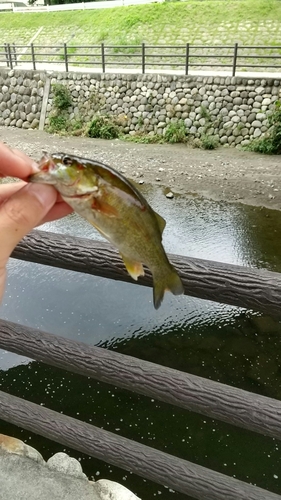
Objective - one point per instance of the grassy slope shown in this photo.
(222, 21)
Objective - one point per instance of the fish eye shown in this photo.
(66, 160)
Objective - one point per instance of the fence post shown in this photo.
(14, 53)
(234, 59)
(65, 57)
(186, 58)
(6, 54)
(33, 56)
(103, 58)
(143, 58)
(10, 56)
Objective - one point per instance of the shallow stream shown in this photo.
(227, 344)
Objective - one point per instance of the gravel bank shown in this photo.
(223, 174)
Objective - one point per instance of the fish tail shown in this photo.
(168, 281)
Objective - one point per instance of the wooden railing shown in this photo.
(210, 280)
(144, 58)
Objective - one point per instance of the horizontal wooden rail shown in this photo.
(188, 478)
(225, 283)
(213, 399)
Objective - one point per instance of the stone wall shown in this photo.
(235, 110)
(21, 95)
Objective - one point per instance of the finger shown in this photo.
(15, 164)
(22, 212)
(7, 190)
(58, 211)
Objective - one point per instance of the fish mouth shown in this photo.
(78, 196)
(92, 192)
(45, 166)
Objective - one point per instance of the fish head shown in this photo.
(67, 173)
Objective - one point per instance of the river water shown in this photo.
(227, 344)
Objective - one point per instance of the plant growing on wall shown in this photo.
(209, 141)
(103, 127)
(62, 97)
(175, 132)
(61, 103)
(271, 143)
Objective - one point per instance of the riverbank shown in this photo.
(226, 174)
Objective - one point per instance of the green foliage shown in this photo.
(263, 146)
(271, 144)
(76, 124)
(127, 45)
(102, 36)
(240, 126)
(103, 127)
(209, 141)
(61, 102)
(175, 132)
(131, 20)
(71, 50)
(62, 97)
(57, 123)
(205, 113)
(143, 138)
(168, 21)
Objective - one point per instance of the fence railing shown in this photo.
(144, 57)
(217, 281)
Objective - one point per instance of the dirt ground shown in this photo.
(223, 174)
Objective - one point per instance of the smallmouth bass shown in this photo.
(112, 204)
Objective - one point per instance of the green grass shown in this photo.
(224, 22)
(176, 22)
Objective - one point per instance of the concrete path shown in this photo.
(22, 478)
(24, 475)
(51, 67)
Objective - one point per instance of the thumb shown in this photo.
(22, 212)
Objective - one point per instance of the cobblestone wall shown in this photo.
(21, 95)
(233, 109)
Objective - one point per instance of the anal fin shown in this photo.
(135, 269)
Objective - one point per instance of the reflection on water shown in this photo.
(220, 342)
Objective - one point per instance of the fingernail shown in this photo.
(46, 195)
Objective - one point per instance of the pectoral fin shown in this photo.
(103, 207)
(135, 269)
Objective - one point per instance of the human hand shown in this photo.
(22, 205)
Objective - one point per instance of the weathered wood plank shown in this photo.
(225, 283)
(213, 399)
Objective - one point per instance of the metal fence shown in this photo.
(221, 282)
(144, 58)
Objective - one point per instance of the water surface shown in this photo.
(227, 344)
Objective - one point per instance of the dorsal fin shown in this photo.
(161, 222)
